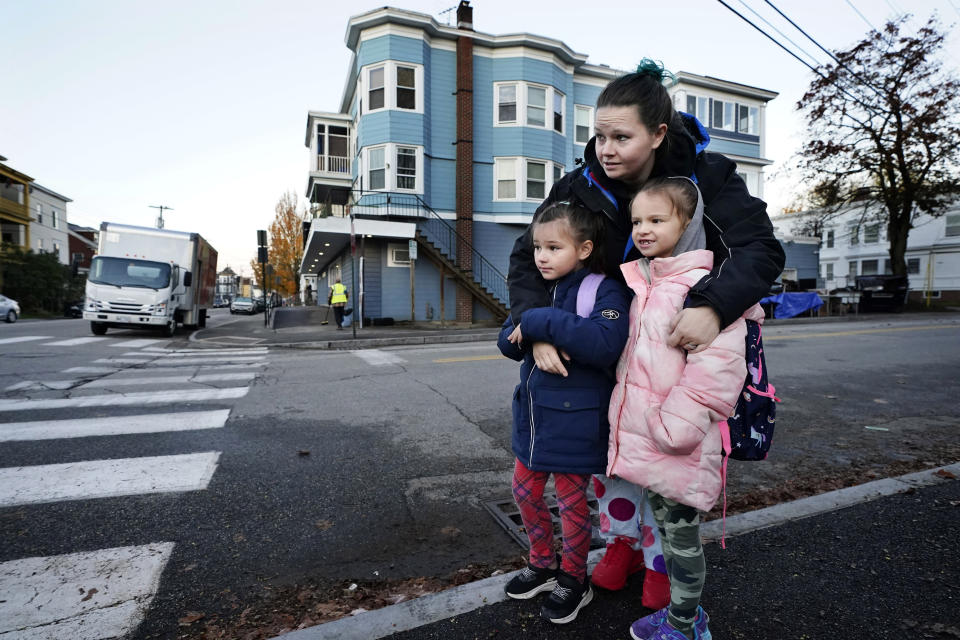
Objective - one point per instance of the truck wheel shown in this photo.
(169, 329)
(98, 328)
(202, 323)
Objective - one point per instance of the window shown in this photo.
(953, 224)
(524, 178)
(39, 213)
(723, 115)
(536, 179)
(56, 248)
(506, 178)
(375, 88)
(828, 271)
(887, 267)
(871, 234)
(376, 168)
(558, 112)
(852, 269)
(406, 168)
(830, 237)
(507, 103)
(583, 123)
(529, 105)
(54, 219)
(700, 108)
(406, 88)
(40, 244)
(77, 257)
(398, 255)
(747, 119)
(536, 106)
(854, 232)
(913, 266)
(869, 267)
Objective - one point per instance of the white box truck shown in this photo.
(151, 278)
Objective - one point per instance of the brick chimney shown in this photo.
(464, 165)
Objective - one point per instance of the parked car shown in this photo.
(883, 293)
(73, 309)
(9, 309)
(242, 305)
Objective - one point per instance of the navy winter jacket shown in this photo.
(560, 424)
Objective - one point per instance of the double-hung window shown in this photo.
(376, 168)
(507, 104)
(853, 231)
(536, 106)
(723, 115)
(393, 167)
(391, 85)
(406, 168)
(871, 234)
(953, 224)
(529, 105)
(830, 237)
(54, 219)
(699, 107)
(869, 267)
(913, 266)
(375, 90)
(583, 123)
(520, 178)
(406, 88)
(730, 116)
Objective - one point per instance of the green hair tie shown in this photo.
(656, 70)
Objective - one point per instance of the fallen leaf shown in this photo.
(881, 401)
(89, 595)
(450, 531)
(323, 525)
(189, 567)
(190, 618)
(943, 473)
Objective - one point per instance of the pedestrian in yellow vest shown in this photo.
(338, 300)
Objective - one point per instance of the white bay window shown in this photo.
(530, 105)
(391, 85)
(517, 178)
(393, 167)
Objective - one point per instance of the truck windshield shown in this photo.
(126, 272)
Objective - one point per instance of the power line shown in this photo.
(861, 15)
(783, 35)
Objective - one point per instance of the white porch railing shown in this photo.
(333, 164)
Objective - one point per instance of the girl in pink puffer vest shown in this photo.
(668, 401)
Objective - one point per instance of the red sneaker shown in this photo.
(618, 562)
(656, 590)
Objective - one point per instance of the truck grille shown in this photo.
(128, 307)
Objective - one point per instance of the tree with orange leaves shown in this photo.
(285, 249)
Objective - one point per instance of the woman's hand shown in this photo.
(694, 328)
(515, 336)
(547, 358)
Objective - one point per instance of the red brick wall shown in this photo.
(464, 195)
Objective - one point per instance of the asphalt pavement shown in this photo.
(879, 560)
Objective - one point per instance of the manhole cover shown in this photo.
(507, 515)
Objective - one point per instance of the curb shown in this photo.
(465, 598)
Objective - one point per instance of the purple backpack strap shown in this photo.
(587, 294)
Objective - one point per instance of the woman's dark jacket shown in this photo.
(560, 424)
(747, 258)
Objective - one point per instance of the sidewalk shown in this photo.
(302, 328)
(875, 561)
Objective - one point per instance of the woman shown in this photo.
(638, 136)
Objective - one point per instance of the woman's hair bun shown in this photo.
(656, 70)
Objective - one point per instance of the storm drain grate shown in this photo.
(507, 515)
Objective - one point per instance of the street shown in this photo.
(191, 481)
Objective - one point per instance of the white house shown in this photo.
(854, 243)
(48, 222)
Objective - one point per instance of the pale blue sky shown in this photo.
(201, 105)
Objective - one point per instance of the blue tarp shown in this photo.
(793, 304)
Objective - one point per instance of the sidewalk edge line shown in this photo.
(442, 605)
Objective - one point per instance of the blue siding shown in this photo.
(441, 187)
(373, 259)
(440, 153)
(396, 286)
(586, 94)
(747, 149)
(390, 48)
(390, 125)
(805, 258)
(495, 242)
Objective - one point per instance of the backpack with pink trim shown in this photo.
(748, 433)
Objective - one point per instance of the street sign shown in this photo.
(412, 248)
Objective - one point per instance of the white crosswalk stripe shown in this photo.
(119, 425)
(377, 358)
(23, 339)
(81, 596)
(106, 478)
(105, 594)
(72, 342)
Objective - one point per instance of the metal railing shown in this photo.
(439, 232)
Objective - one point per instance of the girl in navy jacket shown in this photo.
(560, 406)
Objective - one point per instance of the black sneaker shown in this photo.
(568, 597)
(530, 581)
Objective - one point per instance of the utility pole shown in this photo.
(160, 218)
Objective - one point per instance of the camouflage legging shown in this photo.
(680, 537)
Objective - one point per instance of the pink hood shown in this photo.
(666, 406)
